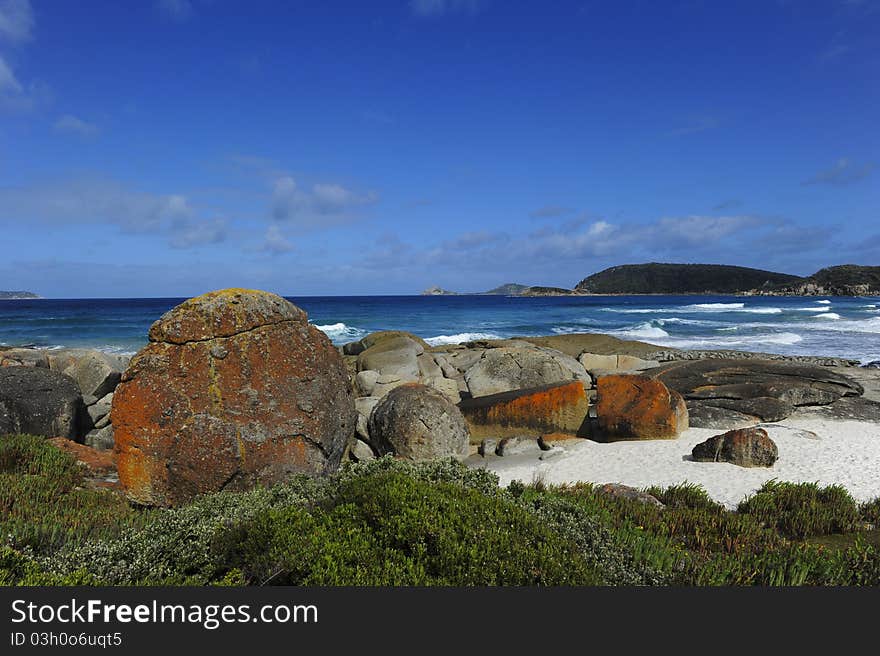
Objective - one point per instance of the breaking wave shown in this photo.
(340, 332)
(459, 338)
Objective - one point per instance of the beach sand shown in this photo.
(813, 447)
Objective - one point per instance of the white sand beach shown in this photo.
(812, 448)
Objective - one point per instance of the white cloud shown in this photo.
(18, 97)
(275, 242)
(312, 207)
(435, 8)
(96, 201)
(177, 10)
(16, 21)
(69, 124)
(9, 84)
(842, 173)
(188, 234)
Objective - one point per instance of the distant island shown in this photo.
(655, 278)
(842, 280)
(510, 289)
(702, 279)
(17, 296)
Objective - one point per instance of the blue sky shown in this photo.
(170, 147)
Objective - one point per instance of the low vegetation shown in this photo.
(389, 522)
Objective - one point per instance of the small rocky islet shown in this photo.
(237, 389)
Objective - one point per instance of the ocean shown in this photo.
(833, 326)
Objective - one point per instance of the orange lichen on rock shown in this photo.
(560, 410)
(638, 408)
(235, 389)
(99, 463)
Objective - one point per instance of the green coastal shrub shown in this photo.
(389, 528)
(175, 546)
(870, 512)
(619, 550)
(391, 522)
(685, 495)
(799, 510)
(43, 507)
(35, 456)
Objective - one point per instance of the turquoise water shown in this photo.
(834, 326)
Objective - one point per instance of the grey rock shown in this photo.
(849, 409)
(514, 446)
(96, 373)
(100, 409)
(512, 368)
(619, 491)
(23, 357)
(39, 401)
(596, 362)
(394, 356)
(418, 423)
(365, 381)
(101, 439)
(428, 367)
(768, 390)
(446, 386)
(701, 415)
(364, 406)
(765, 408)
(487, 447)
(387, 382)
(361, 452)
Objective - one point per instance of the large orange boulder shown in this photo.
(559, 411)
(638, 408)
(235, 389)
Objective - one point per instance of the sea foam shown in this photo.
(341, 332)
(459, 338)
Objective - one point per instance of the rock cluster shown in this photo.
(511, 388)
(59, 393)
(476, 375)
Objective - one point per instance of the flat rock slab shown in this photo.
(731, 391)
(560, 410)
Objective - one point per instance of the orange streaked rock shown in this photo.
(97, 462)
(558, 410)
(262, 397)
(638, 408)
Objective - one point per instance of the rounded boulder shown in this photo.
(235, 389)
(416, 422)
(38, 401)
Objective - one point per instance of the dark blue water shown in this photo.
(845, 327)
